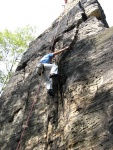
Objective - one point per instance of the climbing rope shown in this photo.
(29, 115)
(38, 90)
(34, 101)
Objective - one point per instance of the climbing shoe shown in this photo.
(53, 75)
(50, 92)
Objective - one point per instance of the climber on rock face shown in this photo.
(49, 70)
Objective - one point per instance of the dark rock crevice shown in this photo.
(13, 115)
(84, 16)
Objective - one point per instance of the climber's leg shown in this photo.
(52, 68)
(54, 71)
(48, 81)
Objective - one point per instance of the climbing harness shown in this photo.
(29, 115)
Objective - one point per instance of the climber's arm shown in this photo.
(60, 51)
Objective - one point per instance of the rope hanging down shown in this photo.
(38, 90)
(29, 115)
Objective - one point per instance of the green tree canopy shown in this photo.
(12, 46)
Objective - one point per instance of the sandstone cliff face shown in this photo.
(80, 117)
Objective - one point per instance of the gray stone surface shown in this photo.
(80, 117)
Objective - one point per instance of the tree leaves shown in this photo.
(12, 46)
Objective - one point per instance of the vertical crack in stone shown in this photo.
(84, 16)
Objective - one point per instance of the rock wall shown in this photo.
(80, 117)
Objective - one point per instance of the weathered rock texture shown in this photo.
(80, 117)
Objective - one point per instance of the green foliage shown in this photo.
(12, 46)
